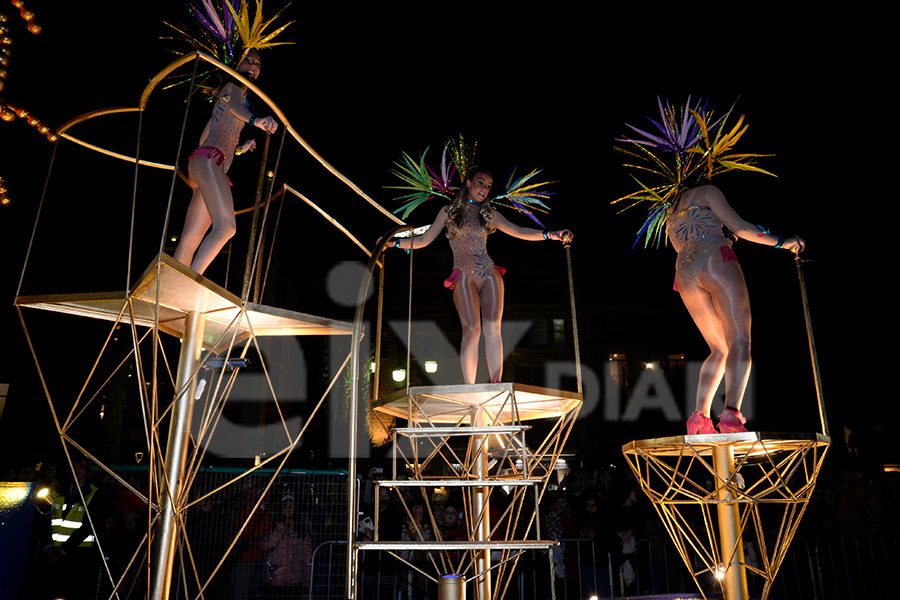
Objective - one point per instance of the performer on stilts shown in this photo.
(708, 276)
(477, 283)
(228, 35)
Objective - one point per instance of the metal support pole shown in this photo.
(251, 250)
(734, 583)
(568, 243)
(817, 376)
(171, 488)
(481, 510)
(352, 554)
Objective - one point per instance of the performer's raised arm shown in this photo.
(530, 234)
(715, 199)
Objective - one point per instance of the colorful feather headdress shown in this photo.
(422, 182)
(524, 194)
(686, 148)
(227, 33)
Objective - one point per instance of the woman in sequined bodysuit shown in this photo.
(711, 283)
(476, 282)
(211, 203)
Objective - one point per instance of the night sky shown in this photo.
(547, 89)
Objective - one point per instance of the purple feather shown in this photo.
(208, 18)
(675, 135)
(527, 213)
(229, 19)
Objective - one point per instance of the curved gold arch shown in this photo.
(176, 64)
(61, 132)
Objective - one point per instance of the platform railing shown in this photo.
(831, 569)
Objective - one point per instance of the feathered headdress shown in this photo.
(687, 147)
(256, 35)
(463, 154)
(229, 34)
(423, 182)
(524, 196)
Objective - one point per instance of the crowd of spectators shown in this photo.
(242, 541)
(608, 529)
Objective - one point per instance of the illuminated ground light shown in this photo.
(13, 493)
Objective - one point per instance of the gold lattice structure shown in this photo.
(718, 493)
(218, 330)
(169, 298)
(473, 438)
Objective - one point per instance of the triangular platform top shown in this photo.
(453, 403)
(179, 290)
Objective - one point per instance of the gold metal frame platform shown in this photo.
(182, 291)
(732, 484)
(504, 403)
(172, 299)
(473, 437)
(169, 297)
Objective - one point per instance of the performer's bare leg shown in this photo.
(732, 302)
(196, 223)
(721, 310)
(700, 305)
(491, 315)
(211, 187)
(468, 305)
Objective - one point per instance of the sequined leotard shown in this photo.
(469, 245)
(696, 234)
(224, 128)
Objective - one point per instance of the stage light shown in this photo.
(43, 501)
(720, 572)
(398, 375)
(431, 366)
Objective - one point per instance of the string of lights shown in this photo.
(8, 112)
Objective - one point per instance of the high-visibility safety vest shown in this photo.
(65, 519)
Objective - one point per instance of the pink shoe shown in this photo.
(495, 381)
(732, 421)
(699, 424)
